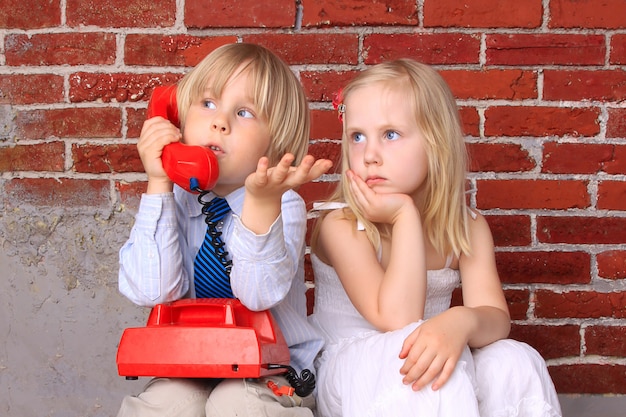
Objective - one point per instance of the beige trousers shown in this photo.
(173, 397)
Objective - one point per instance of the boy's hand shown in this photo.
(265, 187)
(155, 134)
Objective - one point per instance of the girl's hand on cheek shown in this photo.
(378, 207)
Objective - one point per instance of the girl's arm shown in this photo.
(433, 349)
(390, 296)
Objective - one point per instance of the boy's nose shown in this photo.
(220, 123)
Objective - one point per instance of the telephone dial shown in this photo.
(207, 337)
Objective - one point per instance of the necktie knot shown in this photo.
(215, 210)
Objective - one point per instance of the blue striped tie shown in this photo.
(211, 268)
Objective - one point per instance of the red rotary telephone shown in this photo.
(200, 338)
(193, 168)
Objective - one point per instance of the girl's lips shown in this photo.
(374, 180)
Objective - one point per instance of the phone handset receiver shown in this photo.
(193, 168)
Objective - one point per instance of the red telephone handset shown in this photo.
(193, 168)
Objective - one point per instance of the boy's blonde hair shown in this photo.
(444, 210)
(277, 94)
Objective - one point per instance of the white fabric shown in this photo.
(358, 370)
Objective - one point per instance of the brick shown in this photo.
(542, 338)
(328, 150)
(66, 193)
(31, 89)
(581, 230)
(617, 55)
(575, 158)
(499, 157)
(325, 125)
(545, 49)
(605, 340)
(134, 122)
(532, 194)
(589, 378)
(483, 13)
(122, 13)
(39, 157)
(98, 159)
(617, 164)
(580, 304)
(606, 14)
(242, 13)
(602, 85)
(299, 49)
(129, 194)
(72, 122)
(316, 191)
(612, 195)
(612, 265)
(616, 125)
(173, 50)
(60, 49)
(358, 13)
(470, 121)
(509, 230)
(492, 84)
(541, 121)
(323, 85)
(120, 87)
(429, 48)
(29, 14)
(518, 302)
(544, 267)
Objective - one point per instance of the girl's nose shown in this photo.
(372, 154)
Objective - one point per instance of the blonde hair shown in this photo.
(277, 94)
(444, 210)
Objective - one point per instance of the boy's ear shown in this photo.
(163, 103)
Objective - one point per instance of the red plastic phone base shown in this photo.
(203, 338)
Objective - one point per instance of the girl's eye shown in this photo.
(209, 104)
(358, 137)
(245, 113)
(391, 135)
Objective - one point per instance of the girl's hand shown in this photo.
(378, 207)
(155, 134)
(432, 350)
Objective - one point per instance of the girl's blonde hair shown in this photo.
(444, 211)
(277, 94)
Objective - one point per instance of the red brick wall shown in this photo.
(541, 85)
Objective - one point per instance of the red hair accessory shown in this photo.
(338, 104)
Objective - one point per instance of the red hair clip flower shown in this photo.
(338, 104)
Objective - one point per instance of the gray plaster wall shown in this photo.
(62, 315)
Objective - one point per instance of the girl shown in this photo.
(386, 264)
(246, 105)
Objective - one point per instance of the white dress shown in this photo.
(358, 369)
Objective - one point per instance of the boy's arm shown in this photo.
(151, 269)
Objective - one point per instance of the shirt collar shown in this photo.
(194, 209)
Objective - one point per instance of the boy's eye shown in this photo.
(245, 113)
(209, 104)
(391, 135)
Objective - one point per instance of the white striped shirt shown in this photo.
(156, 263)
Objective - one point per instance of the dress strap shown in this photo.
(448, 261)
